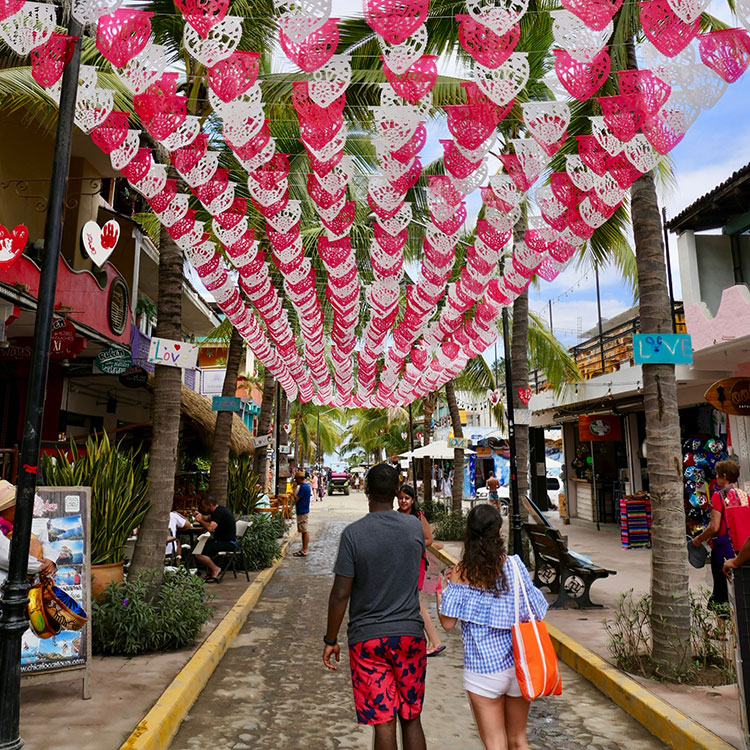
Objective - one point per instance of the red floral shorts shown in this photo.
(388, 676)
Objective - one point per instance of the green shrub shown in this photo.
(434, 510)
(242, 496)
(117, 477)
(127, 620)
(451, 527)
(259, 543)
(631, 640)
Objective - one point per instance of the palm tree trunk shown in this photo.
(217, 486)
(457, 487)
(299, 462)
(165, 411)
(670, 609)
(283, 440)
(260, 459)
(428, 407)
(519, 360)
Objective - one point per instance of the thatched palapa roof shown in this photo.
(197, 409)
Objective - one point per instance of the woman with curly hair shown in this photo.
(480, 595)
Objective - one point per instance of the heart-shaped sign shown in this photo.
(525, 395)
(12, 244)
(287, 428)
(494, 397)
(100, 243)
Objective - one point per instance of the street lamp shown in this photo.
(15, 598)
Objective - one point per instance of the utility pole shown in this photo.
(669, 266)
(599, 313)
(13, 621)
(551, 327)
(513, 468)
(411, 449)
(277, 438)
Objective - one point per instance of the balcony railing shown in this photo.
(600, 355)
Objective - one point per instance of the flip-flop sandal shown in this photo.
(436, 651)
(212, 580)
(299, 553)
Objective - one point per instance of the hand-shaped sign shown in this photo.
(100, 243)
(12, 244)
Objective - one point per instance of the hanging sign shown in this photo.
(261, 440)
(226, 403)
(662, 348)
(63, 335)
(599, 427)
(12, 244)
(173, 353)
(135, 377)
(100, 242)
(459, 442)
(114, 360)
(285, 449)
(731, 395)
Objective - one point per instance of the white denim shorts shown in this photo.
(493, 685)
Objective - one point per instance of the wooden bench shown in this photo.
(563, 574)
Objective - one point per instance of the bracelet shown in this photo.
(330, 642)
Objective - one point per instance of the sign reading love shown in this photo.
(12, 244)
(173, 353)
(100, 243)
(525, 395)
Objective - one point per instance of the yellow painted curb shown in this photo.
(157, 728)
(663, 720)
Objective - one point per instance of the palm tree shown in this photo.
(260, 458)
(457, 487)
(428, 408)
(309, 422)
(217, 486)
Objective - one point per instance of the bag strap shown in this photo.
(517, 587)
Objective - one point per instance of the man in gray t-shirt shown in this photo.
(377, 575)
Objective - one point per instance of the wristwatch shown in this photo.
(330, 642)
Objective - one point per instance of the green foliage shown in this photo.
(127, 620)
(630, 640)
(242, 495)
(117, 477)
(260, 546)
(434, 510)
(146, 307)
(451, 527)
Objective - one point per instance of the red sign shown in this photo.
(63, 336)
(20, 348)
(598, 427)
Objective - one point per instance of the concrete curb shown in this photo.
(159, 726)
(664, 721)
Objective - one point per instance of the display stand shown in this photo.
(635, 520)
(61, 522)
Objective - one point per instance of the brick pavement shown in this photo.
(271, 688)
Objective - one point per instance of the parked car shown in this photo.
(338, 481)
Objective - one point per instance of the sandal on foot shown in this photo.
(212, 579)
(435, 651)
(299, 553)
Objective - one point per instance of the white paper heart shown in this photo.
(153, 182)
(330, 80)
(93, 108)
(576, 38)
(204, 170)
(688, 10)
(641, 154)
(547, 121)
(400, 57)
(472, 181)
(185, 134)
(29, 27)
(100, 242)
(499, 15)
(145, 68)
(222, 202)
(220, 42)
(285, 219)
(300, 18)
(580, 175)
(606, 139)
(531, 155)
(262, 157)
(176, 209)
(125, 153)
(90, 11)
(503, 84)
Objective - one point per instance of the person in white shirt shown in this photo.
(176, 521)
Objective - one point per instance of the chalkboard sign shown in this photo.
(61, 522)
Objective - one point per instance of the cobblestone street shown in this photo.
(271, 689)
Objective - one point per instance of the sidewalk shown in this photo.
(716, 708)
(123, 691)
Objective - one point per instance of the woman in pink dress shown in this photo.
(407, 503)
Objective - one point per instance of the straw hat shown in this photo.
(7, 495)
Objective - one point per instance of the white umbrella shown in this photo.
(436, 449)
(408, 454)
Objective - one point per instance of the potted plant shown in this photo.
(117, 477)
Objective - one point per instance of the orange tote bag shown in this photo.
(536, 660)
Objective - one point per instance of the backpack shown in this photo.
(737, 515)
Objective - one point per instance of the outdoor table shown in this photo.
(193, 533)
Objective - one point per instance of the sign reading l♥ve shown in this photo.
(12, 244)
(173, 353)
(100, 242)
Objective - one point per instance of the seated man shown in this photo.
(220, 522)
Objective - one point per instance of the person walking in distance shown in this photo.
(303, 492)
(407, 503)
(480, 596)
(493, 485)
(377, 574)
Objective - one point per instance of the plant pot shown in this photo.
(103, 575)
